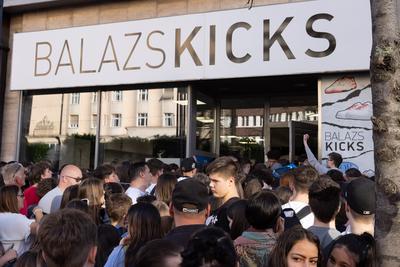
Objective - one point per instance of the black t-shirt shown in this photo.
(219, 216)
(180, 235)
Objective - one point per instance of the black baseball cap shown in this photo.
(360, 195)
(190, 196)
(188, 164)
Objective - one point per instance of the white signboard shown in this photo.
(346, 120)
(295, 38)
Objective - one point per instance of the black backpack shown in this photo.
(292, 218)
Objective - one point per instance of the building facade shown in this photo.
(95, 81)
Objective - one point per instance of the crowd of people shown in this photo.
(229, 212)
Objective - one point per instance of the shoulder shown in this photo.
(116, 257)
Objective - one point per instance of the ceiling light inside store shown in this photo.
(204, 119)
(185, 102)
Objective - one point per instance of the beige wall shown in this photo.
(115, 11)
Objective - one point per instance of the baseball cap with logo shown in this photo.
(190, 196)
(360, 196)
(188, 164)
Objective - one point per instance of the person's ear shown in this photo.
(92, 256)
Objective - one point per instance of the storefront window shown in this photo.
(55, 128)
(145, 124)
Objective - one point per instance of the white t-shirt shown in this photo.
(46, 201)
(308, 220)
(134, 193)
(15, 231)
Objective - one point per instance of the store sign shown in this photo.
(346, 111)
(307, 37)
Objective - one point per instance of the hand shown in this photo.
(305, 138)
(9, 255)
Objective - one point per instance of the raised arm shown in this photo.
(312, 160)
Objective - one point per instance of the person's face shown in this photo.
(47, 174)
(341, 257)
(73, 176)
(303, 254)
(219, 185)
(330, 163)
(112, 178)
(146, 174)
(246, 168)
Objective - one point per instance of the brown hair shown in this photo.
(92, 190)
(225, 166)
(66, 237)
(70, 193)
(286, 241)
(144, 224)
(8, 198)
(37, 170)
(117, 206)
(165, 185)
(304, 177)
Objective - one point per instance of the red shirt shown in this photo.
(30, 198)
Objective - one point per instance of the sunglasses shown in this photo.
(77, 179)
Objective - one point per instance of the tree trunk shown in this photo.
(385, 81)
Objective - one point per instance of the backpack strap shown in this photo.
(303, 212)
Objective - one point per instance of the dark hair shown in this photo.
(8, 198)
(113, 188)
(144, 224)
(146, 199)
(108, 238)
(353, 173)
(28, 259)
(103, 171)
(286, 241)
(78, 205)
(155, 253)
(211, 247)
(336, 176)
(324, 199)
(274, 154)
(303, 178)
(70, 193)
(336, 158)
(226, 166)
(155, 165)
(173, 167)
(263, 209)
(165, 185)
(284, 194)
(117, 206)
(122, 171)
(203, 178)
(135, 169)
(37, 170)
(237, 213)
(264, 175)
(44, 186)
(363, 246)
(66, 237)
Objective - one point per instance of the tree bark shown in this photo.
(385, 82)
